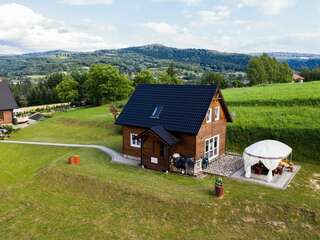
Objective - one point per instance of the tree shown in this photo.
(54, 79)
(285, 73)
(256, 71)
(171, 70)
(144, 76)
(214, 78)
(311, 74)
(265, 69)
(67, 89)
(271, 67)
(169, 76)
(106, 84)
(80, 77)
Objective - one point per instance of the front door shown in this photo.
(155, 155)
(212, 147)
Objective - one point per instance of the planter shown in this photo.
(219, 191)
(74, 160)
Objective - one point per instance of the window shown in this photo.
(212, 147)
(134, 142)
(156, 112)
(209, 115)
(1, 116)
(217, 113)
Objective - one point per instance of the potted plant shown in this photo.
(219, 191)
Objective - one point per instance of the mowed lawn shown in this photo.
(83, 126)
(42, 197)
(286, 112)
(104, 200)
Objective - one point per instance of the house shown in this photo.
(297, 78)
(162, 120)
(7, 104)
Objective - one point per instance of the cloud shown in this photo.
(212, 16)
(33, 32)
(160, 27)
(272, 7)
(187, 2)
(251, 25)
(217, 14)
(87, 2)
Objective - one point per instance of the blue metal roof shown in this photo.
(163, 134)
(183, 107)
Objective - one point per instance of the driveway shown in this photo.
(115, 156)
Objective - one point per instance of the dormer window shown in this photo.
(209, 115)
(217, 113)
(156, 112)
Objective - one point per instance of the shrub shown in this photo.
(219, 182)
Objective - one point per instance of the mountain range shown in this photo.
(189, 62)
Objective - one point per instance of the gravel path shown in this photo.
(225, 165)
(115, 156)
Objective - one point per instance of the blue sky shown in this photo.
(224, 25)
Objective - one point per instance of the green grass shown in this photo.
(104, 200)
(287, 112)
(42, 197)
(275, 95)
(19, 163)
(84, 126)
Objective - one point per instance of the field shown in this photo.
(44, 198)
(287, 112)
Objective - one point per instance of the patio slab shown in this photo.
(278, 181)
(225, 165)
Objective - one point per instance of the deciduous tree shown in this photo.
(67, 89)
(145, 76)
(106, 84)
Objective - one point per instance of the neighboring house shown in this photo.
(161, 120)
(297, 78)
(7, 104)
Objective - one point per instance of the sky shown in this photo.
(243, 26)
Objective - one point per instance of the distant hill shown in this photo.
(207, 58)
(295, 60)
(189, 62)
(289, 55)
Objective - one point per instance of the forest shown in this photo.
(190, 62)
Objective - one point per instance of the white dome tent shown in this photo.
(269, 152)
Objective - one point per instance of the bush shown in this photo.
(8, 128)
(219, 182)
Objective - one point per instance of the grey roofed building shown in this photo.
(7, 101)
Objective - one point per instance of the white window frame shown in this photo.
(133, 143)
(209, 115)
(211, 148)
(217, 113)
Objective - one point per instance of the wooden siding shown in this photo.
(126, 147)
(212, 129)
(152, 149)
(189, 145)
(7, 117)
(186, 146)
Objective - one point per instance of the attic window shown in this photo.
(156, 112)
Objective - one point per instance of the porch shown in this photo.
(156, 144)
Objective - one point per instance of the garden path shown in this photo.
(115, 156)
